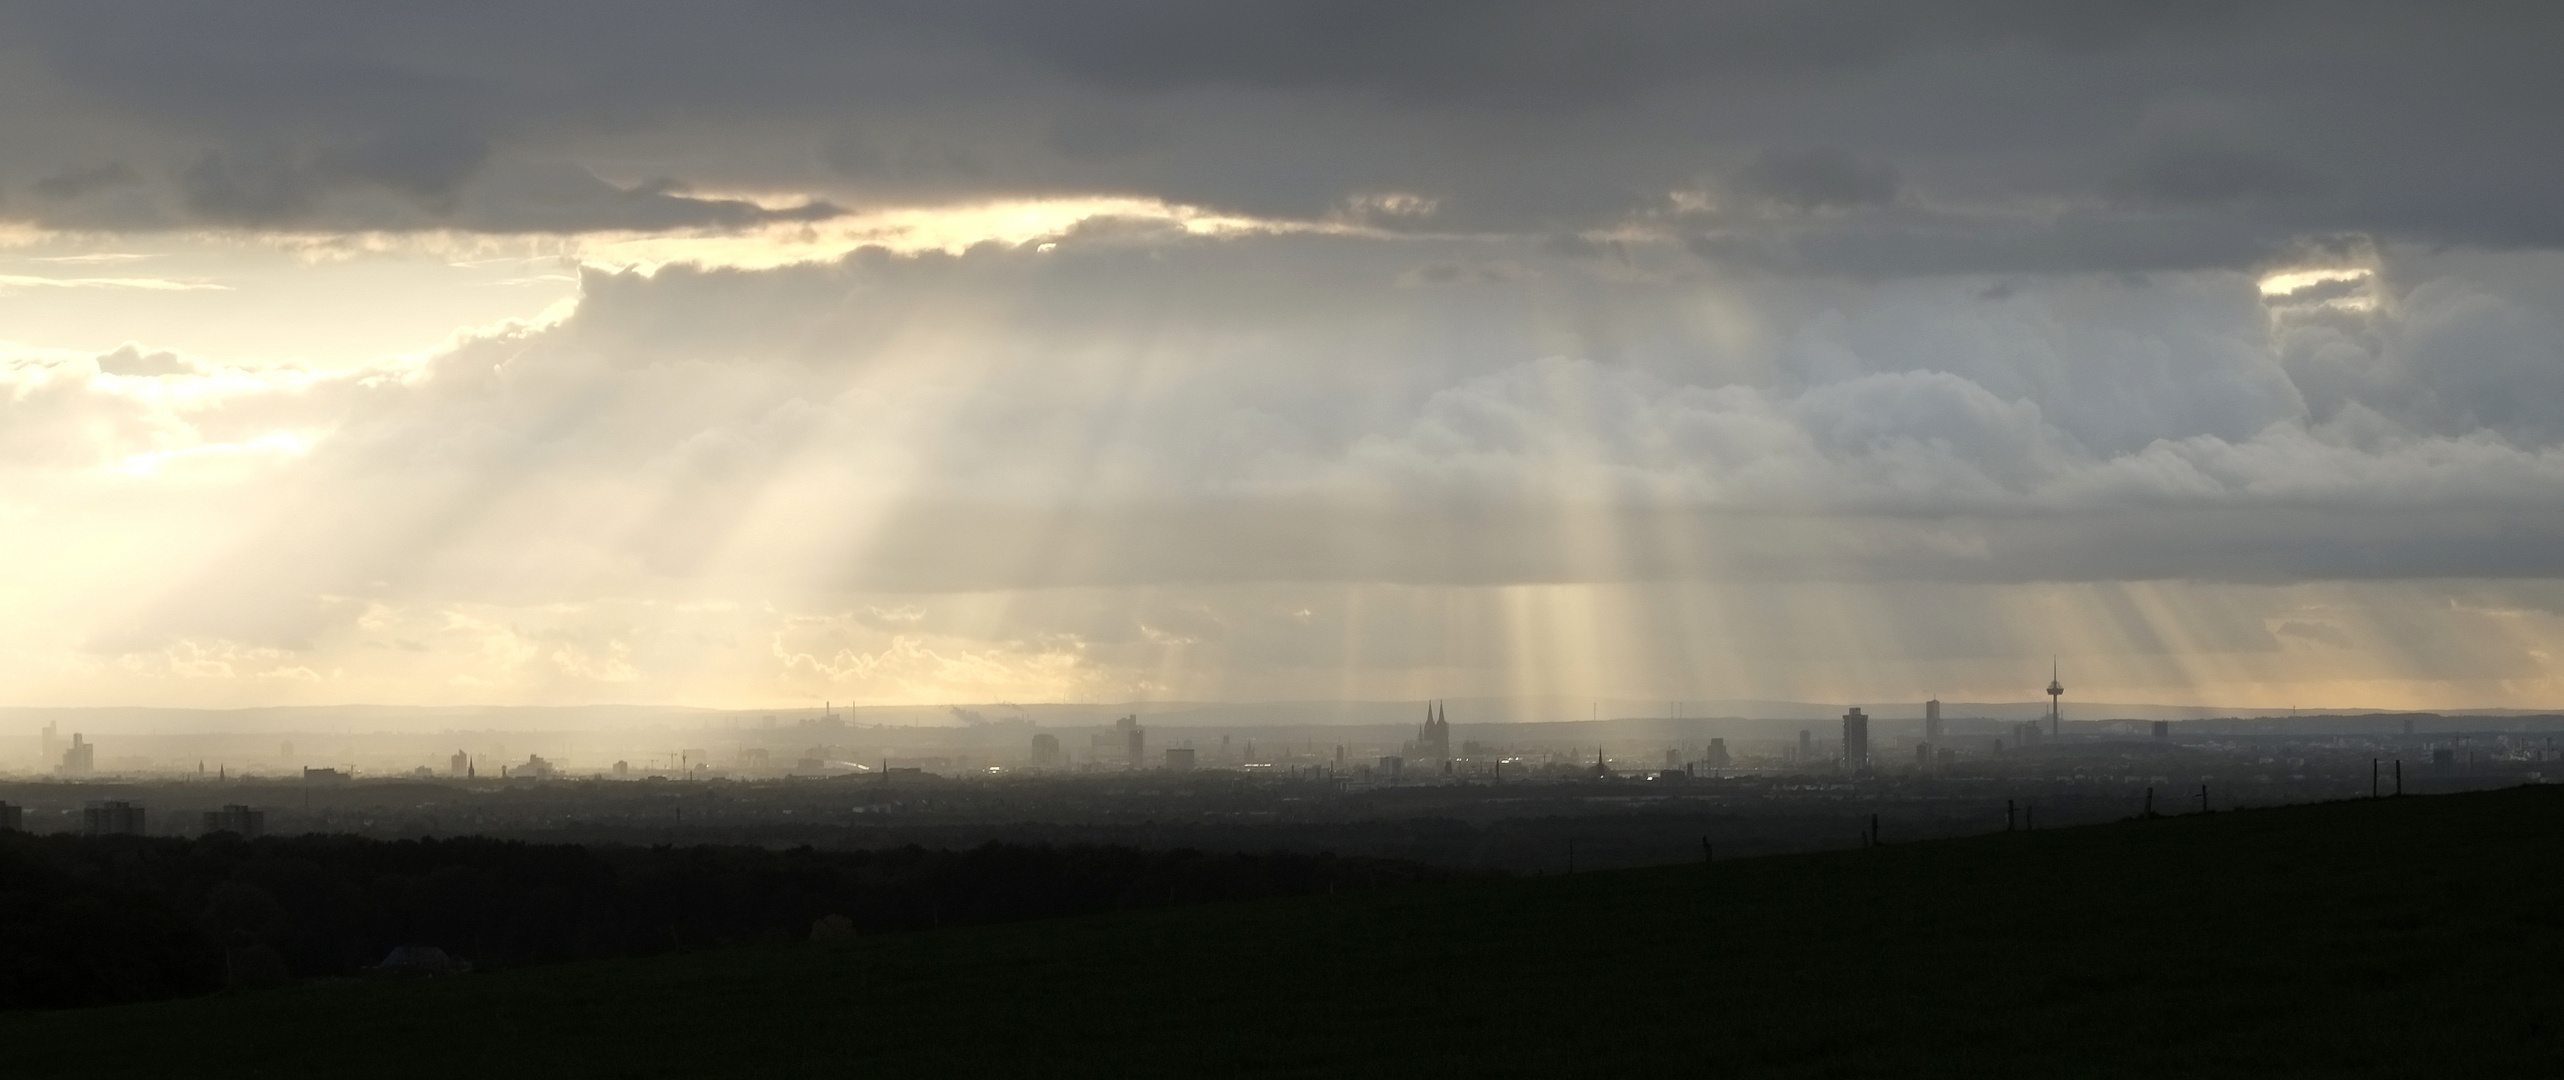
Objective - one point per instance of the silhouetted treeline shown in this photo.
(87, 921)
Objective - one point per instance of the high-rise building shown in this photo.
(1134, 741)
(1717, 756)
(459, 765)
(53, 744)
(12, 818)
(1045, 751)
(1179, 758)
(111, 817)
(243, 821)
(2163, 731)
(1856, 741)
(81, 759)
(1806, 747)
(1932, 720)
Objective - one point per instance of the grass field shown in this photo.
(2410, 937)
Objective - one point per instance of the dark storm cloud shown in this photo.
(2233, 128)
(1922, 242)
(1514, 53)
(2208, 173)
(1822, 178)
(73, 183)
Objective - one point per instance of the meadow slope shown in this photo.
(2400, 937)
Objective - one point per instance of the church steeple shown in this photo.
(1435, 737)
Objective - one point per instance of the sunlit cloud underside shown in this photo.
(1125, 450)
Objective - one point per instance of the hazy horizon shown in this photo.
(607, 717)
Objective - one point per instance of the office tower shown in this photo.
(1856, 741)
(1134, 741)
(111, 817)
(81, 759)
(244, 821)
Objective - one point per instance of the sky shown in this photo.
(754, 354)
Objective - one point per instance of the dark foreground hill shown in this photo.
(2413, 937)
(120, 919)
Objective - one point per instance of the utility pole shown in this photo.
(2007, 815)
(2203, 798)
(2372, 778)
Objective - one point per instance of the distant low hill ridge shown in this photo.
(1461, 710)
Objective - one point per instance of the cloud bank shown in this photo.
(1292, 349)
(1972, 135)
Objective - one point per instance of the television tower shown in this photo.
(2056, 690)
